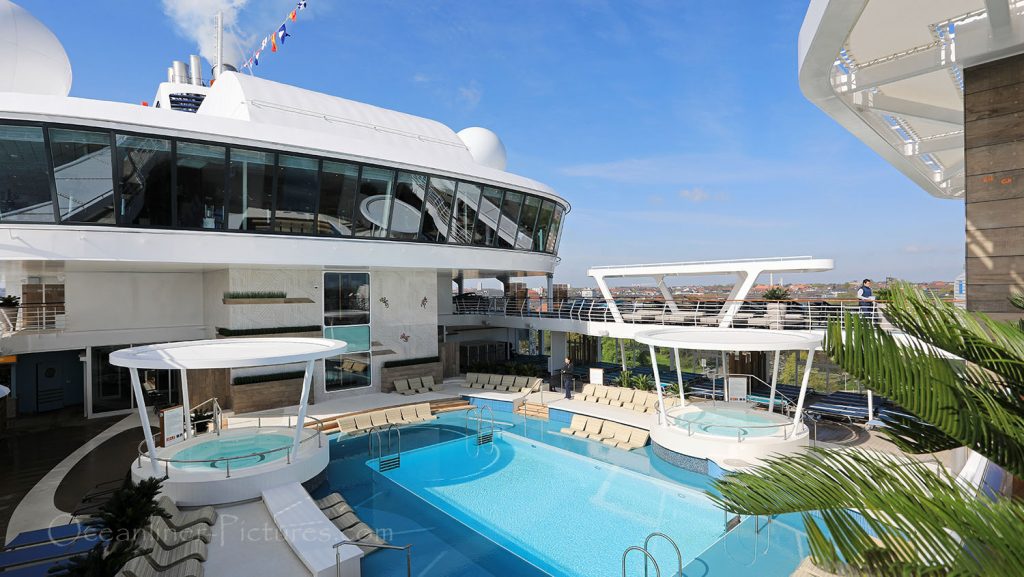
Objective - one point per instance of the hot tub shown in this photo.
(245, 450)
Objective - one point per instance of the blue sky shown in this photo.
(675, 128)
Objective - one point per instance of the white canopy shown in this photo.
(729, 339)
(222, 354)
(227, 353)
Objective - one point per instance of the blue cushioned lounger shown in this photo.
(41, 570)
(58, 533)
(44, 552)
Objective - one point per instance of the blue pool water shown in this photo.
(579, 527)
(723, 421)
(234, 446)
(445, 546)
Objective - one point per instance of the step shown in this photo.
(389, 463)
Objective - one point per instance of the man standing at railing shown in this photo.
(567, 378)
(866, 300)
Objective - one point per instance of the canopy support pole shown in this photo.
(662, 415)
(775, 382)
(803, 391)
(622, 354)
(307, 378)
(144, 417)
(185, 403)
(679, 378)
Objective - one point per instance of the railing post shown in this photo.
(228, 462)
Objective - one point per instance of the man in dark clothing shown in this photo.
(567, 378)
(866, 300)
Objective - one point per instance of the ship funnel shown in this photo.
(170, 74)
(216, 70)
(180, 71)
(195, 70)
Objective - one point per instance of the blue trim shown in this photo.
(560, 415)
(495, 405)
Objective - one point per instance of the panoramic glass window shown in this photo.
(527, 223)
(24, 176)
(339, 182)
(464, 217)
(347, 318)
(297, 191)
(509, 227)
(437, 212)
(489, 217)
(373, 202)
(144, 180)
(82, 172)
(250, 198)
(547, 209)
(201, 179)
(410, 190)
(556, 225)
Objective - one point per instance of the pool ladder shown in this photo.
(734, 522)
(649, 557)
(483, 436)
(391, 460)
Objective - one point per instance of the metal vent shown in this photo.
(186, 101)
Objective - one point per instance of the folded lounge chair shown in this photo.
(377, 419)
(362, 532)
(329, 501)
(182, 519)
(140, 567)
(394, 417)
(169, 538)
(363, 423)
(620, 437)
(587, 394)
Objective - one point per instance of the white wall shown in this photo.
(407, 324)
(98, 301)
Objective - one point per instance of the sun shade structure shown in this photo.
(732, 340)
(222, 354)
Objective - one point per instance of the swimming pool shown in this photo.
(725, 421)
(227, 446)
(578, 528)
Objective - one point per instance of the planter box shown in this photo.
(388, 375)
(273, 301)
(252, 397)
(311, 334)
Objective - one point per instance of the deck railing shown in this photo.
(46, 317)
(801, 314)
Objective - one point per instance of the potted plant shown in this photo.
(9, 309)
(776, 308)
(643, 382)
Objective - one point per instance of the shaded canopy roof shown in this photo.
(227, 353)
(729, 339)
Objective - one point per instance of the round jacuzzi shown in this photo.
(243, 450)
(730, 420)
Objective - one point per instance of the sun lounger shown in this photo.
(164, 559)
(337, 510)
(363, 532)
(377, 419)
(140, 567)
(423, 412)
(347, 425)
(608, 430)
(181, 519)
(620, 437)
(490, 387)
(51, 535)
(409, 414)
(402, 387)
(637, 439)
(329, 501)
(363, 423)
(394, 416)
(42, 552)
(345, 521)
(578, 423)
(428, 383)
(169, 538)
(591, 430)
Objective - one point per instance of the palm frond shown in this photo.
(882, 514)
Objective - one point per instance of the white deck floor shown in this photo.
(618, 414)
(247, 542)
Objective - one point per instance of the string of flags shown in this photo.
(276, 39)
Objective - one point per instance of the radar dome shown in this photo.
(485, 147)
(33, 59)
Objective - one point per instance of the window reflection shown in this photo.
(511, 206)
(339, 182)
(24, 176)
(488, 217)
(82, 172)
(296, 194)
(346, 299)
(201, 179)
(527, 223)
(410, 189)
(464, 218)
(373, 202)
(547, 208)
(556, 225)
(438, 211)
(347, 317)
(144, 180)
(252, 181)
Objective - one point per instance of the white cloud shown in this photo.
(196, 20)
(420, 78)
(471, 94)
(698, 194)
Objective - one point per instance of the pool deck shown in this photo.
(247, 542)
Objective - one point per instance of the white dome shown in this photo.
(485, 147)
(33, 59)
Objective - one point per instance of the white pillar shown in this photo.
(803, 390)
(622, 353)
(666, 294)
(559, 349)
(871, 405)
(303, 403)
(775, 382)
(744, 282)
(679, 377)
(144, 417)
(662, 415)
(185, 403)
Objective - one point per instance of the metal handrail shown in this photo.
(380, 443)
(227, 460)
(778, 393)
(647, 556)
(407, 548)
(671, 541)
(740, 429)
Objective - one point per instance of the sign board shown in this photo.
(737, 388)
(172, 425)
(597, 376)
